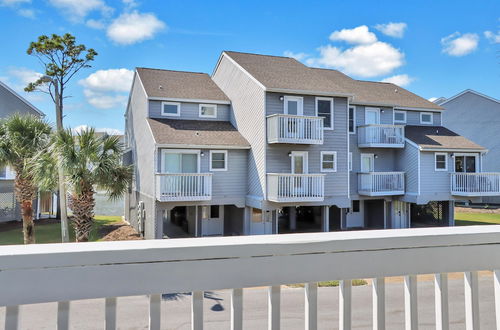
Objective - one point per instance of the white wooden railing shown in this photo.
(475, 184)
(285, 187)
(294, 129)
(183, 186)
(381, 183)
(381, 136)
(32, 274)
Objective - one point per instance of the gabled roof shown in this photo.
(439, 138)
(168, 84)
(465, 92)
(22, 99)
(196, 133)
(285, 74)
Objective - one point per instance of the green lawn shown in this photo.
(471, 219)
(51, 233)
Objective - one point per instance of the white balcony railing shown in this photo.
(183, 187)
(381, 136)
(284, 187)
(381, 183)
(294, 129)
(32, 274)
(475, 184)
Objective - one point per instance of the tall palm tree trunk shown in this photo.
(82, 206)
(25, 193)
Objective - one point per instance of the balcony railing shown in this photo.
(381, 183)
(294, 129)
(183, 187)
(32, 274)
(381, 136)
(475, 184)
(283, 187)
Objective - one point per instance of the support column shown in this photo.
(343, 219)
(451, 213)
(325, 218)
(276, 216)
(292, 214)
(247, 214)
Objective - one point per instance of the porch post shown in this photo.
(247, 213)
(451, 213)
(343, 219)
(325, 217)
(292, 214)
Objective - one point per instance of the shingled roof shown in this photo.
(285, 73)
(197, 133)
(439, 137)
(180, 85)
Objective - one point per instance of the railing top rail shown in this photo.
(298, 175)
(380, 173)
(184, 174)
(197, 264)
(382, 125)
(294, 116)
(476, 174)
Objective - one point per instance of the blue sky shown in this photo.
(434, 48)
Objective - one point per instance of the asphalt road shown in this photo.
(133, 311)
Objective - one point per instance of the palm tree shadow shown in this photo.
(217, 307)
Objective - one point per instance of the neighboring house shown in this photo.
(268, 145)
(477, 117)
(10, 103)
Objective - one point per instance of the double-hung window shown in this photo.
(218, 160)
(328, 161)
(208, 111)
(324, 108)
(441, 161)
(171, 109)
(399, 117)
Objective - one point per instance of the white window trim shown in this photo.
(394, 121)
(225, 160)
(445, 169)
(334, 153)
(353, 119)
(368, 109)
(214, 106)
(426, 122)
(350, 161)
(470, 154)
(300, 102)
(179, 151)
(178, 114)
(332, 121)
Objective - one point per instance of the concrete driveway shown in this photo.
(133, 311)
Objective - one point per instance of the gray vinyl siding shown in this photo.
(334, 140)
(413, 118)
(10, 104)
(385, 114)
(407, 161)
(189, 111)
(248, 105)
(434, 182)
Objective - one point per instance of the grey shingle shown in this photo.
(438, 137)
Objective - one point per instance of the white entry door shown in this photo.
(367, 163)
(372, 116)
(299, 165)
(260, 224)
(212, 220)
(399, 214)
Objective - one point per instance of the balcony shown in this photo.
(183, 187)
(381, 183)
(284, 187)
(381, 136)
(294, 129)
(107, 270)
(475, 184)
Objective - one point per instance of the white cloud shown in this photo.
(493, 37)
(24, 76)
(110, 131)
(105, 89)
(395, 30)
(130, 28)
(17, 6)
(297, 56)
(76, 10)
(370, 60)
(97, 24)
(432, 99)
(358, 35)
(400, 80)
(29, 13)
(460, 45)
(10, 3)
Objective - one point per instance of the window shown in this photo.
(294, 105)
(170, 109)
(208, 111)
(399, 117)
(324, 108)
(425, 118)
(328, 161)
(218, 160)
(355, 206)
(214, 211)
(350, 162)
(441, 161)
(352, 120)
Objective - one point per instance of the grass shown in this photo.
(472, 219)
(51, 232)
(331, 283)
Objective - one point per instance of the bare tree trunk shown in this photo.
(28, 224)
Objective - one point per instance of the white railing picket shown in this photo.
(237, 309)
(345, 304)
(381, 183)
(274, 307)
(155, 312)
(184, 186)
(311, 306)
(376, 135)
(284, 187)
(471, 293)
(441, 301)
(12, 317)
(295, 129)
(378, 298)
(197, 310)
(63, 308)
(411, 302)
(110, 314)
(475, 184)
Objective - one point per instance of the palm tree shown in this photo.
(21, 138)
(89, 162)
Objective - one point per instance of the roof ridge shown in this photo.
(246, 53)
(181, 71)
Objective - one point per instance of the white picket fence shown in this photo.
(36, 273)
(294, 129)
